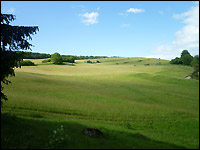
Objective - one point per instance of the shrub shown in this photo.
(195, 74)
(98, 61)
(69, 59)
(27, 63)
(185, 59)
(146, 64)
(89, 61)
(46, 60)
(176, 61)
(195, 61)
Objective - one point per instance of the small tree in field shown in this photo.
(56, 58)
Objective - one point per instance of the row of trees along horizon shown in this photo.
(185, 59)
(65, 58)
(36, 55)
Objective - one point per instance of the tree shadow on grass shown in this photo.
(34, 133)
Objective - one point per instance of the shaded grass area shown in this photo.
(34, 133)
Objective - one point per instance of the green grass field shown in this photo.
(136, 102)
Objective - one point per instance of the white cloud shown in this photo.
(131, 10)
(135, 10)
(125, 25)
(165, 51)
(98, 8)
(185, 38)
(90, 18)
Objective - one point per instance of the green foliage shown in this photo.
(69, 59)
(195, 64)
(27, 63)
(98, 61)
(176, 61)
(13, 38)
(9, 60)
(66, 58)
(46, 60)
(88, 57)
(186, 59)
(31, 55)
(56, 58)
(184, 52)
(195, 74)
(195, 61)
(89, 61)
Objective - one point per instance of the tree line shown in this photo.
(31, 55)
(56, 58)
(65, 58)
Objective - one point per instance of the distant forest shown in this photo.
(32, 55)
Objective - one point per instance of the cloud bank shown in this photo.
(185, 38)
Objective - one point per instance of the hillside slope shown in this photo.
(135, 102)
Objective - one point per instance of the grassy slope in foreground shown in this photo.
(135, 105)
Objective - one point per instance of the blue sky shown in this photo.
(110, 28)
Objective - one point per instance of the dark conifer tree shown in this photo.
(13, 39)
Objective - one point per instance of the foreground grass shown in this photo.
(28, 127)
(135, 105)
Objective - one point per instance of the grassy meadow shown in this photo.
(136, 103)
